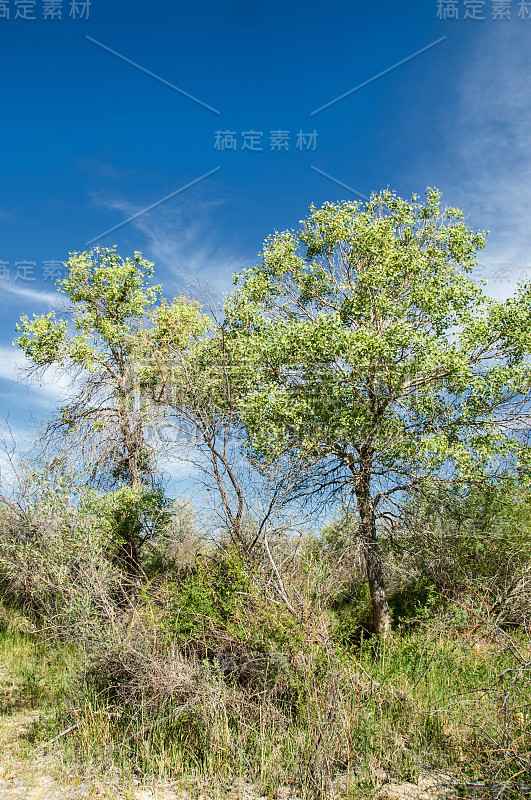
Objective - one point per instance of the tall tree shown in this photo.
(373, 355)
(96, 347)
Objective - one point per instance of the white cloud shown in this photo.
(48, 390)
(49, 298)
(488, 153)
(12, 363)
(184, 240)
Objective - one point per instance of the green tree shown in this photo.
(96, 346)
(194, 373)
(373, 356)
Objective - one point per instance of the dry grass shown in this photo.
(223, 675)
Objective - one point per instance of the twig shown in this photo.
(281, 590)
(63, 733)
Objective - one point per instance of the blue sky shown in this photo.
(90, 139)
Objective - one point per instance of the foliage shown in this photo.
(109, 300)
(454, 541)
(97, 348)
(109, 296)
(372, 355)
(191, 371)
(357, 361)
(129, 516)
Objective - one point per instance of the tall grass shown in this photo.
(208, 675)
(323, 719)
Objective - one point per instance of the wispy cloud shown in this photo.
(185, 242)
(489, 148)
(36, 295)
(12, 363)
(152, 206)
(48, 390)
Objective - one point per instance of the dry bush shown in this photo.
(131, 668)
(56, 562)
(500, 725)
(237, 707)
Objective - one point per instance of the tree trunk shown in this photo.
(132, 440)
(371, 551)
(375, 579)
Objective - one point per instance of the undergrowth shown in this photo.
(211, 679)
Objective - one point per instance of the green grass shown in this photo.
(34, 671)
(426, 704)
(439, 697)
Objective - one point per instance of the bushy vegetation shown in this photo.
(205, 674)
(367, 380)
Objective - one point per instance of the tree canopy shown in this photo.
(97, 347)
(358, 360)
(374, 355)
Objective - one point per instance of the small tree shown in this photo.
(96, 346)
(193, 373)
(374, 356)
